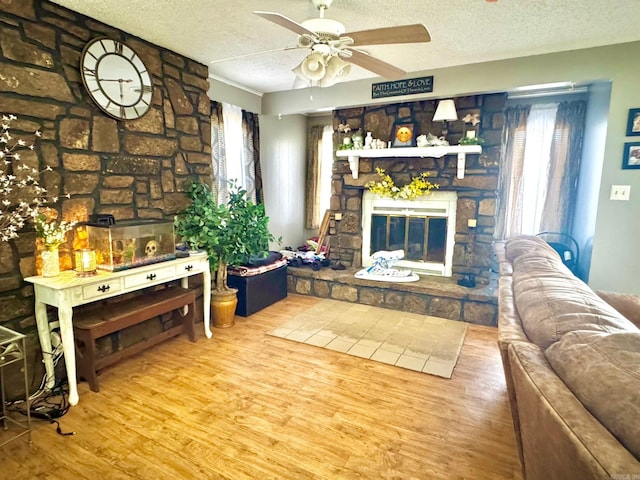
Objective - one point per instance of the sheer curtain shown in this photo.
(318, 177)
(536, 165)
(218, 151)
(542, 146)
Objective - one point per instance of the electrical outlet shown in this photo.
(337, 216)
(620, 192)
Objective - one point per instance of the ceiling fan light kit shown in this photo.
(330, 45)
(313, 67)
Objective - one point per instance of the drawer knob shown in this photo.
(151, 276)
(188, 268)
(104, 288)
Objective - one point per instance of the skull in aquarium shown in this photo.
(152, 248)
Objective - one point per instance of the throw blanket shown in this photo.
(251, 271)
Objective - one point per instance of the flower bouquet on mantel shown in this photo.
(386, 187)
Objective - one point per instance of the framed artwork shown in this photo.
(631, 156)
(633, 123)
(403, 135)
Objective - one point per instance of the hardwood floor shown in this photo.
(245, 405)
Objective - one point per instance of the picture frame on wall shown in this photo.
(633, 123)
(631, 155)
(403, 135)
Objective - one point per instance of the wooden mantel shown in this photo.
(434, 152)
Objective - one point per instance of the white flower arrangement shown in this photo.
(16, 181)
(53, 234)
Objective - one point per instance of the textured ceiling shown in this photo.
(462, 31)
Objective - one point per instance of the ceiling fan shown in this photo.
(333, 51)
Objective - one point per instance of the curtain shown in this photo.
(312, 191)
(218, 155)
(564, 165)
(535, 185)
(510, 183)
(251, 139)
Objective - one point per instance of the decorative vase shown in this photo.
(50, 262)
(358, 141)
(223, 308)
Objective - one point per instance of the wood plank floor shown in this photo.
(245, 405)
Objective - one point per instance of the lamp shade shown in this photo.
(313, 66)
(336, 70)
(446, 111)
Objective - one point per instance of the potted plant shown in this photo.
(230, 233)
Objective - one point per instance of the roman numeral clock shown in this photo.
(116, 78)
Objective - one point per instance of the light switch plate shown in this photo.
(620, 192)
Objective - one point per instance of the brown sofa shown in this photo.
(572, 366)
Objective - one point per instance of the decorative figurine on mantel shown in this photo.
(368, 141)
(430, 140)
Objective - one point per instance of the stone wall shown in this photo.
(130, 169)
(476, 191)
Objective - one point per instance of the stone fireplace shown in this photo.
(475, 194)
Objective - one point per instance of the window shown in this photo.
(539, 168)
(234, 155)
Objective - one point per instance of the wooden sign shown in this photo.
(402, 87)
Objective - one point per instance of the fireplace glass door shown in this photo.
(421, 238)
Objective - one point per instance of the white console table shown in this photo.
(68, 290)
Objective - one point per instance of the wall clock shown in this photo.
(116, 78)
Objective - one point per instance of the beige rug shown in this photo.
(408, 340)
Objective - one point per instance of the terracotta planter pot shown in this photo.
(223, 308)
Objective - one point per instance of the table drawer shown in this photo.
(192, 267)
(105, 289)
(150, 277)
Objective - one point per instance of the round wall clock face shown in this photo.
(116, 79)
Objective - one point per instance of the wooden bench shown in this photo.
(112, 317)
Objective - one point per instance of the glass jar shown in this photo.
(50, 261)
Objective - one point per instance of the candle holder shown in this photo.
(85, 262)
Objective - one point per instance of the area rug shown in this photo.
(416, 342)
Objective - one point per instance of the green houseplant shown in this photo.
(231, 234)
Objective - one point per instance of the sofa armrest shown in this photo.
(560, 438)
(628, 305)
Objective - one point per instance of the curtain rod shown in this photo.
(547, 93)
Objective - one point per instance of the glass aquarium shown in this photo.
(131, 244)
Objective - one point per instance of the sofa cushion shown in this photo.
(552, 302)
(544, 265)
(603, 372)
(517, 246)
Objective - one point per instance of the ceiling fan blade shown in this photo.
(244, 55)
(416, 33)
(285, 22)
(374, 65)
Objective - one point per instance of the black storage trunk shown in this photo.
(259, 291)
